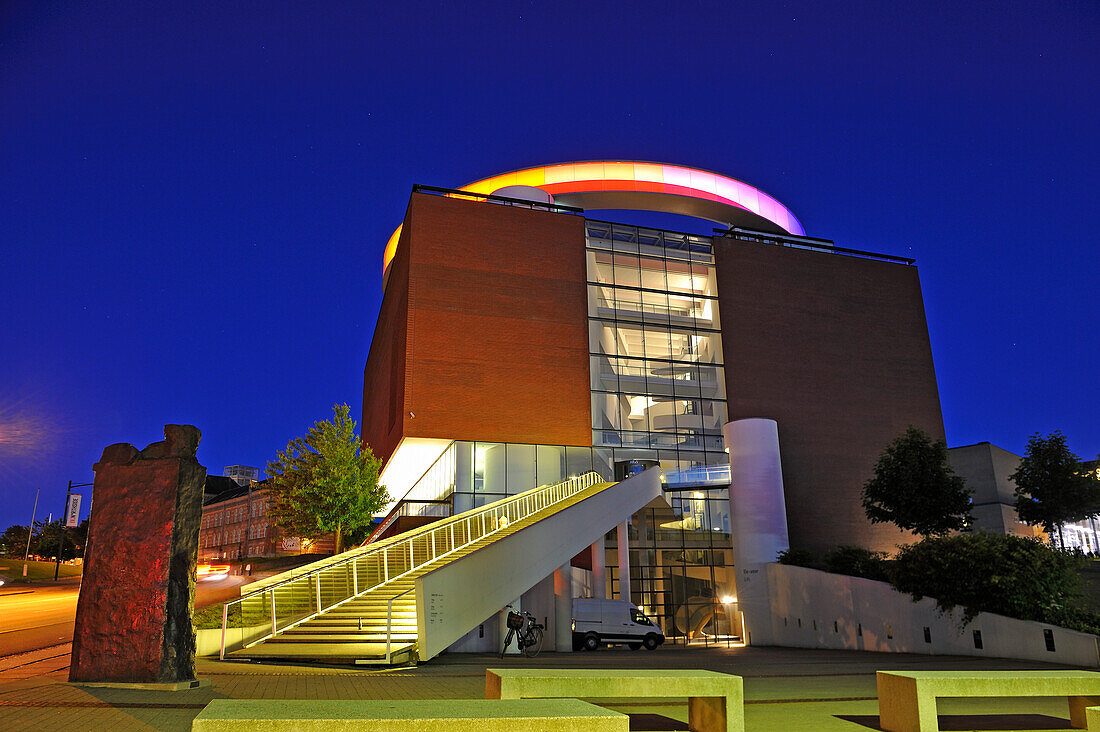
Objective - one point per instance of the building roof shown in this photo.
(220, 488)
(640, 186)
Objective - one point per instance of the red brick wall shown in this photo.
(836, 350)
(498, 324)
(384, 373)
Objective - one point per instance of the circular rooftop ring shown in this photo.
(616, 184)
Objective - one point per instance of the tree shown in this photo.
(326, 481)
(47, 540)
(13, 542)
(1051, 487)
(914, 487)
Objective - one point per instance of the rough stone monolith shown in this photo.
(133, 617)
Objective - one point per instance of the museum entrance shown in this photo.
(681, 566)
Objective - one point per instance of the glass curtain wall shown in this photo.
(488, 471)
(681, 565)
(658, 392)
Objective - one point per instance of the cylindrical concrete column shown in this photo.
(758, 517)
(563, 608)
(599, 572)
(622, 540)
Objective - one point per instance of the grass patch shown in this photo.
(13, 568)
(211, 617)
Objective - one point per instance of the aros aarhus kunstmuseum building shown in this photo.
(521, 341)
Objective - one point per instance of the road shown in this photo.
(45, 615)
(37, 619)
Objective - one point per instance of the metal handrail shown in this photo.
(486, 520)
(522, 202)
(807, 242)
(389, 622)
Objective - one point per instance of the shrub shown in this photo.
(858, 562)
(983, 572)
(798, 558)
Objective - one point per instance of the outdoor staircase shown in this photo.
(361, 606)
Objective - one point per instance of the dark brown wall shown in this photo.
(836, 350)
(496, 346)
(384, 373)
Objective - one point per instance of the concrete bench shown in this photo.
(907, 699)
(716, 702)
(430, 715)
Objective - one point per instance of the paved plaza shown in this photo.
(785, 689)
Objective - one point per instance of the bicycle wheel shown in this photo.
(534, 643)
(507, 640)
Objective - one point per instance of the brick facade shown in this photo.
(241, 527)
(495, 343)
(836, 350)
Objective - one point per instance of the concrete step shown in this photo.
(363, 653)
(351, 618)
(353, 625)
(302, 630)
(340, 637)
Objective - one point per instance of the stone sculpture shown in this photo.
(133, 617)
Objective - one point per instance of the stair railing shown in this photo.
(389, 623)
(278, 607)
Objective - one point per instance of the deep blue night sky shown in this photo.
(194, 201)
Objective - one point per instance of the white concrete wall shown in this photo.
(459, 596)
(813, 609)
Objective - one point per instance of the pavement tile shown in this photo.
(785, 689)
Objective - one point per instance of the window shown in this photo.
(638, 617)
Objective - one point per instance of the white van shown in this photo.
(599, 622)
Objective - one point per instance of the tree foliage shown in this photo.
(13, 542)
(986, 572)
(915, 488)
(44, 540)
(326, 481)
(1051, 487)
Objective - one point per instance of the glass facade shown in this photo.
(659, 393)
(681, 565)
(488, 471)
(655, 345)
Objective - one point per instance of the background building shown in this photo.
(242, 474)
(236, 524)
(520, 343)
(986, 469)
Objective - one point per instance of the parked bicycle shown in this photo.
(528, 633)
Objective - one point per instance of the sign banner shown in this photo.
(72, 511)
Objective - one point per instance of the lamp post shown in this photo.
(30, 531)
(61, 527)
